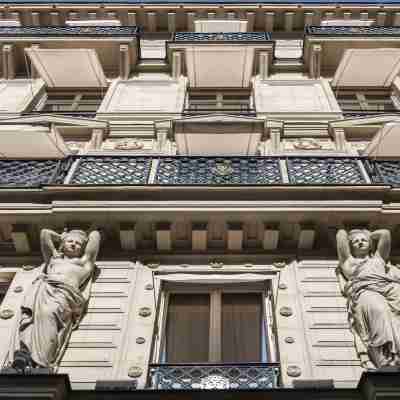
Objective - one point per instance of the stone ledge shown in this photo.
(37, 386)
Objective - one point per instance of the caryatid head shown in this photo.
(73, 243)
(360, 242)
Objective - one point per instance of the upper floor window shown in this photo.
(70, 102)
(216, 324)
(371, 101)
(228, 101)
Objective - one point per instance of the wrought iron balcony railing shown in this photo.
(384, 172)
(33, 173)
(191, 171)
(364, 113)
(352, 31)
(58, 31)
(221, 36)
(214, 376)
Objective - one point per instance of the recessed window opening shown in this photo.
(217, 324)
(69, 102)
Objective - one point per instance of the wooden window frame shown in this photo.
(264, 288)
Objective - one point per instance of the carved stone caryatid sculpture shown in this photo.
(372, 288)
(56, 300)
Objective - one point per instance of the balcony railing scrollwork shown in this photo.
(214, 376)
(102, 170)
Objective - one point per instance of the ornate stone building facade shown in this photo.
(199, 195)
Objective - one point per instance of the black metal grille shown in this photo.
(69, 31)
(221, 36)
(218, 171)
(28, 173)
(112, 171)
(384, 172)
(320, 171)
(353, 30)
(214, 376)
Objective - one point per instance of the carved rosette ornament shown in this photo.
(135, 372)
(293, 371)
(371, 286)
(286, 311)
(145, 311)
(7, 313)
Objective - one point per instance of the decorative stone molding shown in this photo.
(286, 311)
(248, 265)
(153, 265)
(135, 372)
(7, 313)
(293, 371)
(289, 340)
(18, 289)
(28, 267)
(140, 340)
(307, 144)
(128, 144)
(145, 311)
(149, 286)
(216, 264)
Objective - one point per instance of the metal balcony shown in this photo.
(33, 173)
(389, 31)
(214, 376)
(196, 171)
(67, 31)
(221, 36)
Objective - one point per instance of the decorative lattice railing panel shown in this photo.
(321, 171)
(353, 30)
(112, 171)
(214, 376)
(384, 172)
(51, 31)
(28, 173)
(218, 171)
(221, 36)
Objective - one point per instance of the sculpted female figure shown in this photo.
(372, 289)
(56, 300)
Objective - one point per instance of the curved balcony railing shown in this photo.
(214, 376)
(58, 31)
(221, 36)
(81, 170)
(352, 31)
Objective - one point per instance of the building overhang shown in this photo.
(383, 66)
(333, 41)
(68, 68)
(67, 128)
(110, 43)
(35, 142)
(363, 128)
(219, 62)
(216, 134)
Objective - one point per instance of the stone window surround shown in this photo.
(216, 284)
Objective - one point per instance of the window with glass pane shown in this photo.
(216, 326)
